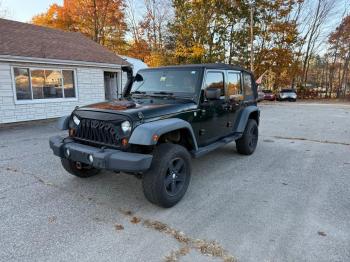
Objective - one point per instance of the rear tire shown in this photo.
(246, 145)
(79, 170)
(166, 182)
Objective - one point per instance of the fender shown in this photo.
(143, 134)
(63, 123)
(244, 116)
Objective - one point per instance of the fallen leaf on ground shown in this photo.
(52, 219)
(321, 233)
(135, 220)
(175, 255)
(126, 212)
(118, 227)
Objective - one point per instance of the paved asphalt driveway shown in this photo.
(290, 201)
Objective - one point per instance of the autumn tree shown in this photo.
(276, 40)
(219, 31)
(339, 50)
(55, 17)
(315, 17)
(100, 20)
(149, 31)
(200, 30)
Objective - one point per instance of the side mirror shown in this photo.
(138, 78)
(213, 93)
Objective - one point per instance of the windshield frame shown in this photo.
(191, 95)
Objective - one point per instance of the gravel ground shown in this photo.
(290, 201)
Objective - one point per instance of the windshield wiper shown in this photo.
(138, 92)
(164, 93)
(171, 95)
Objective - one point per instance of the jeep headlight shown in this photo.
(126, 126)
(76, 120)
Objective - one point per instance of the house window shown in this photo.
(23, 89)
(35, 84)
(68, 83)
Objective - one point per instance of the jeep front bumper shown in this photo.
(110, 159)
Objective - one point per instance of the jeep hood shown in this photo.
(147, 108)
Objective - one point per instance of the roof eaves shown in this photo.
(37, 60)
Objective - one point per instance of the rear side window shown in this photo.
(215, 80)
(234, 84)
(247, 84)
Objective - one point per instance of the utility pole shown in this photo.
(251, 37)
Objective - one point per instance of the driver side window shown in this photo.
(215, 80)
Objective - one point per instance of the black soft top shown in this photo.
(203, 66)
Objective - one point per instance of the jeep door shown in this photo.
(234, 96)
(213, 112)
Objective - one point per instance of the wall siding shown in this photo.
(90, 89)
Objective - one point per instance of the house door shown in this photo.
(111, 85)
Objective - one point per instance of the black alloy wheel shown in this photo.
(166, 182)
(175, 177)
(247, 144)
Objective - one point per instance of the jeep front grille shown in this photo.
(98, 132)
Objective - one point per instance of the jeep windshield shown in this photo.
(166, 82)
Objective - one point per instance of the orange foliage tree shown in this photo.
(100, 20)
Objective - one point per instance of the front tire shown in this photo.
(246, 145)
(79, 169)
(166, 182)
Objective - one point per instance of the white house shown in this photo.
(45, 73)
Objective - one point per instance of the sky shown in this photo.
(24, 10)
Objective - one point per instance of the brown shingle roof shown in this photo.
(27, 40)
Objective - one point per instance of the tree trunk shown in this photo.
(96, 27)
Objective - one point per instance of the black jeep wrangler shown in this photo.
(166, 116)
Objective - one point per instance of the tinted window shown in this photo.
(175, 81)
(247, 84)
(22, 83)
(46, 84)
(53, 84)
(215, 80)
(234, 84)
(68, 83)
(38, 81)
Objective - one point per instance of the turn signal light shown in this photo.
(124, 142)
(71, 132)
(155, 138)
